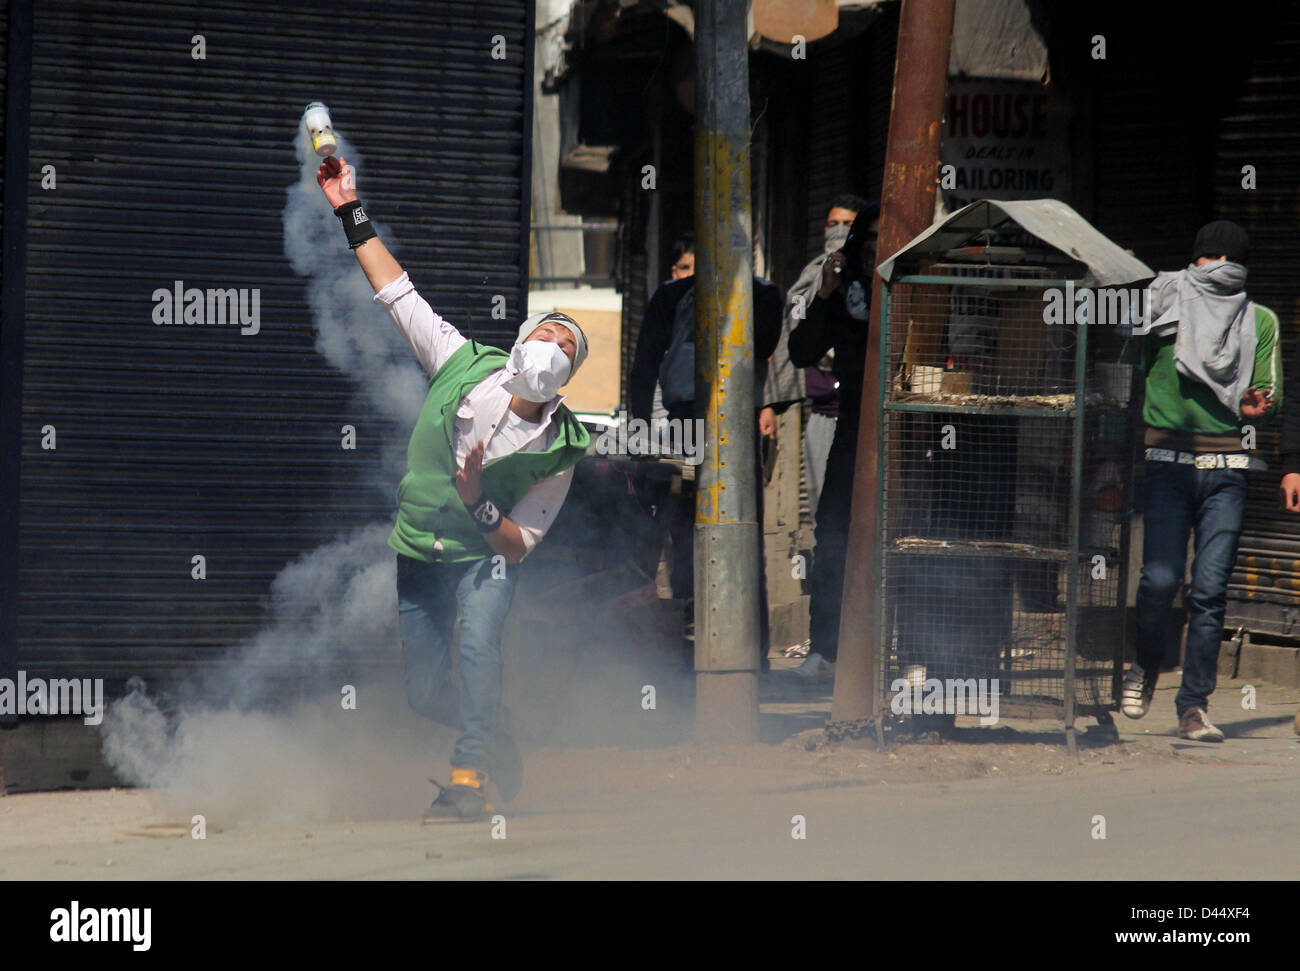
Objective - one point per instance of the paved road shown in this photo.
(1180, 811)
(1193, 819)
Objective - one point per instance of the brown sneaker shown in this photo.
(1195, 725)
(1296, 726)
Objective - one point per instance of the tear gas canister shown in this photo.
(316, 118)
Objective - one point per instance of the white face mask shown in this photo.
(835, 237)
(537, 369)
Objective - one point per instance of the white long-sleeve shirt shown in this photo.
(484, 414)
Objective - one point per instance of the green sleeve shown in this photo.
(1268, 357)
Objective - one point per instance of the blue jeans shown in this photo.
(831, 542)
(428, 595)
(1180, 499)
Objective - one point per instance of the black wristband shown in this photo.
(486, 516)
(356, 224)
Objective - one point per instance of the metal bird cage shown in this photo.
(1005, 455)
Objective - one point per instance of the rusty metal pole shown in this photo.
(907, 207)
(726, 506)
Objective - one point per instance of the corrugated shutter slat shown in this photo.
(181, 440)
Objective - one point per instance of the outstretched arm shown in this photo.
(336, 179)
(432, 339)
(379, 265)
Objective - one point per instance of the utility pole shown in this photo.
(907, 208)
(727, 533)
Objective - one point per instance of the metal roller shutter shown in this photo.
(15, 76)
(175, 441)
(830, 165)
(1146, 186)
(878, 99)
(1263, 130)
(848, 120)
(4, 76)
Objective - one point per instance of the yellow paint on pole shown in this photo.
(724, 339)
(727, 538)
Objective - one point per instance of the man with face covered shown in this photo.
(665, 352)
(788, 385)
(836, 319)
(489, 465)
(1212, 361)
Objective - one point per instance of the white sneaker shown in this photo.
(798, 650)
(815, 666)
(1137, 690)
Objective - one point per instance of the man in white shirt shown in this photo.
(489, 464)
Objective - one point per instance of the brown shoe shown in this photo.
(1297, 721)
(1195, 725)
(464, 801)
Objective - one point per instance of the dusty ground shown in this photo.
(1001, 802)
(1015, 747)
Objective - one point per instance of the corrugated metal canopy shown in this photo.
(1051, 221)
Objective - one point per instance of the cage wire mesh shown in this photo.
(977, 481)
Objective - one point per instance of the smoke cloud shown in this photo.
(230, 739)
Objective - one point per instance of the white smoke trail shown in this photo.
(333, 610)
(351, 333)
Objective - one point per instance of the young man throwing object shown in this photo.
(489, 465)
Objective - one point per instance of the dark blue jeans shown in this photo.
(1180, 500)
(831, 532)
(428, 598)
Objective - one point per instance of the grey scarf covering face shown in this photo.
(810, 280)
(834, 238)
(785, 382)
(1209, 307)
